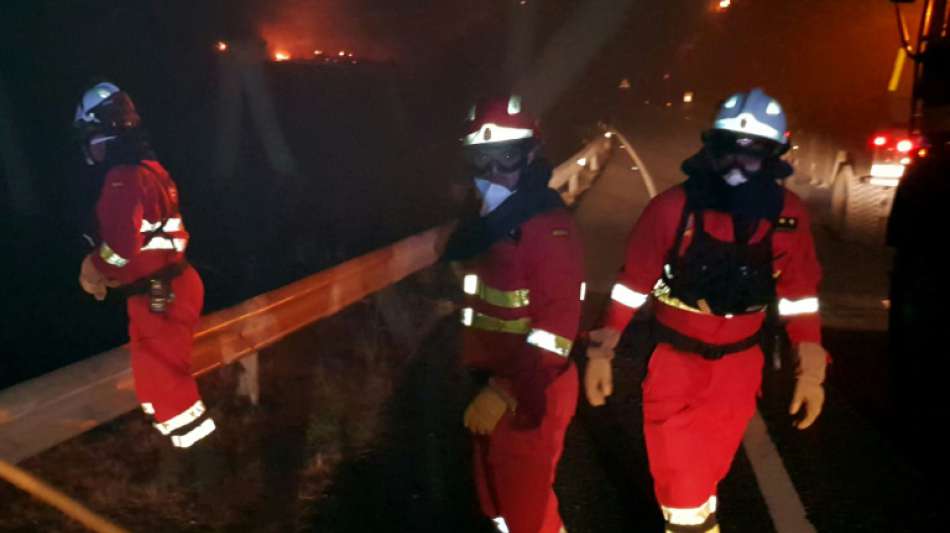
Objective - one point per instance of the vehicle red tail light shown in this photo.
(905, 145)
(879, 140)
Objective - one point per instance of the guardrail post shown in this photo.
(249, 385)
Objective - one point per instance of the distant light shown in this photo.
(523, 2)
(221, 46)
(318, 52)
(582, 161)
(905, 145)
(609, 134)
(880, 140)
(922, 152)
(342, 53)
(725, 4)
(666, 76)
(688, 97)
(669, 104)
(796, 147)
(905, 160)
(281, 55)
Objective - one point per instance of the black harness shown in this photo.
(723, 278)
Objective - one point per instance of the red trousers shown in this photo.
(695, 412)
(161, 347)
(515, 468)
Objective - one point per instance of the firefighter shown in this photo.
(140, 252)
(522, 257)
(714, 253)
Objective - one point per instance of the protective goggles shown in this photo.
(506, 157)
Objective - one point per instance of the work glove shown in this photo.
(486, 409)
(91, 280)
(810, 374)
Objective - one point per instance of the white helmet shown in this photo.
(754, 114)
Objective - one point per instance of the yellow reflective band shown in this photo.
(182, 419)
(499, 298)
(690, 516)
(797, 307)
(474, 319)
(201, 431)
(625, 296)
(109, 256)
(550, 342)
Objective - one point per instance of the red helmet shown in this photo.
(499, 120)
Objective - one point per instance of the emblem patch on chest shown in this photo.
(786, 224)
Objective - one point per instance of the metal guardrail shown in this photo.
(40, 413)
(43, 412)
(575, 175)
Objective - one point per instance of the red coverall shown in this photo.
(135, 201)
(696, 410)
(523, 298)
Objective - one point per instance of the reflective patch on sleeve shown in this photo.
(110, 257)
(625, 296)
(804, 306)
(550, 342)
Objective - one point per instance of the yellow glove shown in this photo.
(484, 412)
(603, 341)
(91, 280)
(812, 360)
(598, 381)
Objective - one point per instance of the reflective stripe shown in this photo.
(182, 419)
(693, 516)
(797, 307)
(499, 298)
(550, 342)
(148, 408)
(747, 123)
(200, 431)
(477, 320)
(164, 243)
(630, 298)
(583, 291)
(109, 256)
(172, 224)
(493, 133)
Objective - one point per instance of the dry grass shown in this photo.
(323, 395)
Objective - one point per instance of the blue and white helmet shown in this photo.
(755, 114)
(105, 109)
